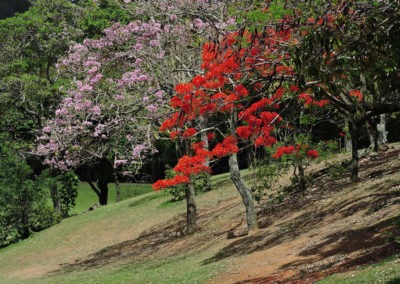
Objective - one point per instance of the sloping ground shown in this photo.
(308, 238)
(335, 226)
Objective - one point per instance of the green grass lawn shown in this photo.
(86, 196)
(386, 271)
(37, 259)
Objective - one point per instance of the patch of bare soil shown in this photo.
(335, 226)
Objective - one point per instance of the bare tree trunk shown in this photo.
(103, 188)
(347, 141)
(244, 192)
(191, 212)
(381, 129)
(203, 125)
(354, 153)
(236, 177)
(101, 178)
(377, 133)
(117, 189)
(191, 215)
(55, 197)
(372, 135)
(301, 179)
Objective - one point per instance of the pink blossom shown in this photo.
(120, 163)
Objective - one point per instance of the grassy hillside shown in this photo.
(86, 197)
(48, 252)
(335, 227)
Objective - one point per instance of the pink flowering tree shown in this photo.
(118, 88)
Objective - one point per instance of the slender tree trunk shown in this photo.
(244, 192)
(301, 179)
(373, 135)
(191, 212)
(236, 177)
(55, 197)
(203, 125)
(102, 178)
(117, 189)
(103, 188)
(354, 153)
(347, 141)
(191, 215)
(377, 133)
(381, 129)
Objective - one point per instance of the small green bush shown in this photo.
(68, 192)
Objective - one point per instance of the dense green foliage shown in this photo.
(24, 206)
(68, 192)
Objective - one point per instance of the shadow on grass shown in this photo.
(166, 239)
(138, 249)
(170, 203)
(143, 200)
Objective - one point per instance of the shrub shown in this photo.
(24, 205)
(68, 192)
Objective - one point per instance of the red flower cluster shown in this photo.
(307, 99)
(178, 179)
(198, 81)
(264, 140)
(175, 102)
(283, 150)
(189, 132)
(244, 132)
(174, 134)
(228, 146)
(312, 154)
(198, 148)
(241, 91)
(357, 94)
(182, 89)
(210, 136)
(191, 165)
(175, 120)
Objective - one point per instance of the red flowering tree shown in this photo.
(349, 55)
(242, 89)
